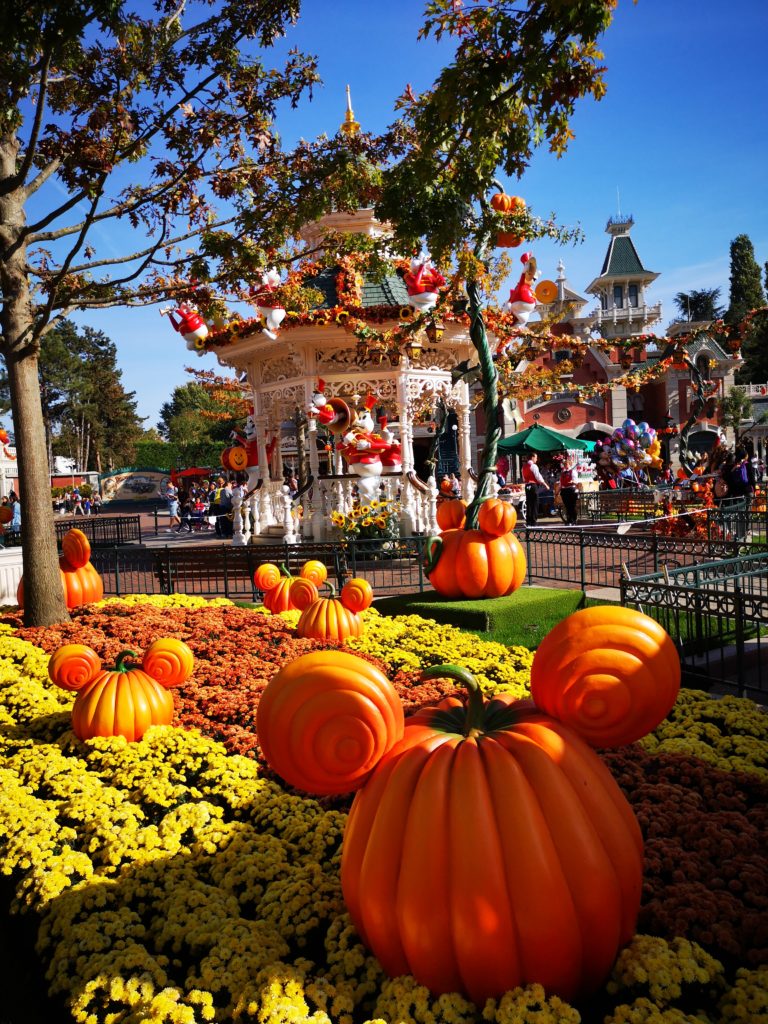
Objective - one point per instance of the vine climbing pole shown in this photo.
(490, 380)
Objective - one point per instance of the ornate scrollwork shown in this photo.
(282, 368)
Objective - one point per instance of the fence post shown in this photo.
(226, 572)
(582, 563)
(117, 571)
(738, 608)
(529, 574)
(655, 550)
(170, 585)
(420, 554)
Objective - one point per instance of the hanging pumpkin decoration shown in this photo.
(80, 581)
(326, 719)
(335, 618)
(609, 672)
(484, 562)
(124, 700)
(451, 515)
(490, 847)
(503, 203)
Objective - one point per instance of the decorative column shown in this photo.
(465, 443)
(311, 527)
(265, 518)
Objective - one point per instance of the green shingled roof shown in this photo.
(622, 259)
(389, 292)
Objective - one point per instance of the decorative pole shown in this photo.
(490, 379)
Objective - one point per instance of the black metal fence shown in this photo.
(563, 557)
(222, 570)
(717, 614)
(101, 531)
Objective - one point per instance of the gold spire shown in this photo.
(350, 126)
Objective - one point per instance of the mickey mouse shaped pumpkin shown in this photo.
(124, 700)
(489, 846)
(283, 592)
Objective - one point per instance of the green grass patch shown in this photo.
(522, 618)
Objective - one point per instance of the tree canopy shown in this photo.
(699, 304)
(167, 123)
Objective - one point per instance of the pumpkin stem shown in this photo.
(284, 571)
(432, 551)
(120, 665)
(461, 675)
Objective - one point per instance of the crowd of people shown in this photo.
(205, 505)
(73, 502)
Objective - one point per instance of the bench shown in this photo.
(225, 571)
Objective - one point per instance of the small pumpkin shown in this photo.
(169, 661)
(357, 594)
(609, 672)
(326, 719)
(121, 701)
(276, 584)
(466, 852)
(328, 618)
(503, 203)
(81, 586)
(508, 240)
(496, 517)
(73, 666)
(6, 514)
(451, 515)
(315, 571)
(76, 548)
(303, 592)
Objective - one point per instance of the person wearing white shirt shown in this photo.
(533, 480)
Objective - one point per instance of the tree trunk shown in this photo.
(44, 601)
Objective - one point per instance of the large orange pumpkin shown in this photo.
(491, 848)
(609, 672)
(81, 586)
(503, 203)
(470, 563)
(123, 701)
(326, 719)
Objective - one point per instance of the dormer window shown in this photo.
(618, 296)
(632, 295)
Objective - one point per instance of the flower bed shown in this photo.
(173, 880)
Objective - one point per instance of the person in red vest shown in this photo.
(533, 480)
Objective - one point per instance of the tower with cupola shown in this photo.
(623, 311)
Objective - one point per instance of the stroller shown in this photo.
(200, 516)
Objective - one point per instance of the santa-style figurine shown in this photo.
(190, 325)
(319, 399)
(423, 282)
(362, 451)
(269, 308)
(522, 299)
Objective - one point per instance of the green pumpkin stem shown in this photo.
(284, 570)
(120, 665)
(461, 675)
(432, 551)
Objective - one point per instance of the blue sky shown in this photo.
(679, 141)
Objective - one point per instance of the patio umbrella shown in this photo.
(542, 439)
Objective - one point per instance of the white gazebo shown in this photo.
(283, 373)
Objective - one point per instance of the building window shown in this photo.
(632, 292)
(603, 300)
(618, 296)
(561, 354)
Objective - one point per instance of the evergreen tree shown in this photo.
(698, 305)
(746, 288)
(196, 415)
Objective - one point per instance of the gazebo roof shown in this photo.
(390, 291)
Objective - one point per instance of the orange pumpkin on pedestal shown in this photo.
(487, 562)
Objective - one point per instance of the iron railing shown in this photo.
(101, 531)
(717, 614)
(569, 558)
